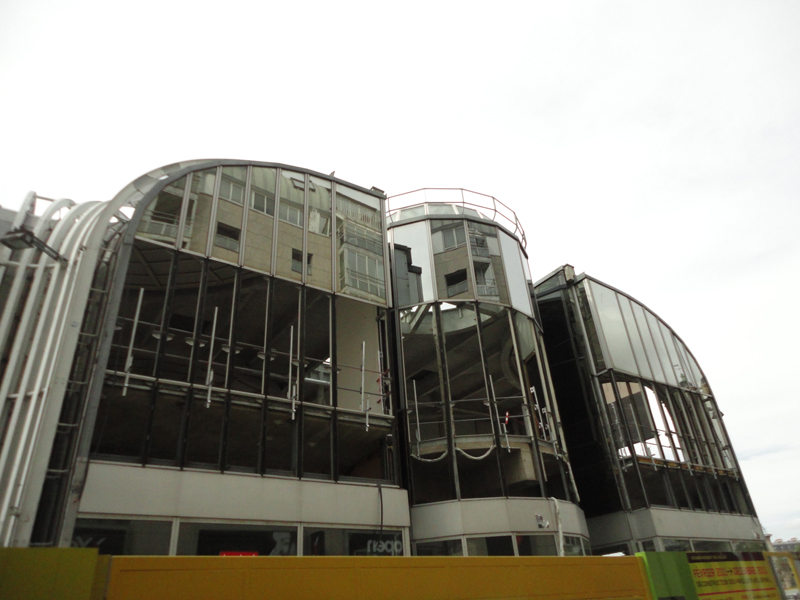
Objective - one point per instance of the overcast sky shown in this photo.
(655, 146)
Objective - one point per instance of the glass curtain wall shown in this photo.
(217, 365)
(671, 445)
(471, 369)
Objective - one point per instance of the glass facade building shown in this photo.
(241, 357)
(642, 425)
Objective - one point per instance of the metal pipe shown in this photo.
(129, 358)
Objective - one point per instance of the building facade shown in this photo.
(243, 357)
(642, 425)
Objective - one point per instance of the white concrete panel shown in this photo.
(494, 515)
(665, 522)
(129, 490)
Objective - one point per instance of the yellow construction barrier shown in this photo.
(406, 578)
(52, 574)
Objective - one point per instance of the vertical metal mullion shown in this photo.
(334, 247)
(301, 374)
(275, 220)
(334, 391)
(493, 402)
(304, 266)
(212, 224)
(245, 214)
(267, 369)
(387, 279)
(187, 192)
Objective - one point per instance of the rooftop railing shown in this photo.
(456, 202)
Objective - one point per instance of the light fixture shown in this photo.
(22, 239)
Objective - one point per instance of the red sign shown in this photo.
(238, 553)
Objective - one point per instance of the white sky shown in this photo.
(653, 145)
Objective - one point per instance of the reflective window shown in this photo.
(359, 244)
(412, 241)
(260, 219)
(162, 216)
(198, 211)
(288, 256)
(217, 539)
(228, 229)
(613, 327)
(451, 258)
(319, 233)
(537, 545)
(517, 284)
(572, 546)
(501, 545)
(440, 548)
(343, 542)
(123, 537)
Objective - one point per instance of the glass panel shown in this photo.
(284, 348)
(512, 417)
(364, 453)
(279, 446)
(479, 474)
(440, 548)
(358, 356)
(292, 202)
(217, 539)
(359, 244)
(572, 546)
(123, 537)
(205, 430)
(228, 229)
(633, 335)
(244, 433)
(317, 388)
(138, 336)
(167, 420)
(512, 261)
(613, 327)
(121, 423)
(316, 443)
(591, 328)
(340, 542)
(648, 343)
(430, 464)
(179, 343)
(490, 278)
(677, 367)
(666, 363)
(711, 546)
(414, 277)
(260, 219)
(318, 260)
(676, 545)
(162, 216)
(501, 545)
(249, 356)
(198, 213)
(213, 354)
(537, 545)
